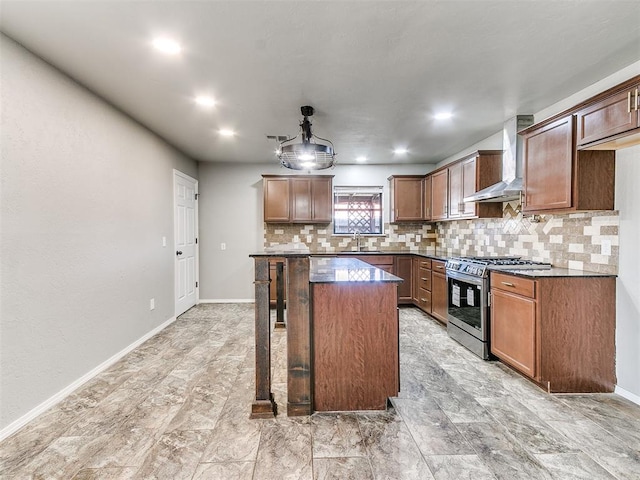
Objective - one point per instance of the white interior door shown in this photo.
(185, 191)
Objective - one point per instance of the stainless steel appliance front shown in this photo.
(468, 311)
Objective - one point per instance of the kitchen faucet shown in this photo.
(356, 237)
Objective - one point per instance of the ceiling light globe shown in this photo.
(167, 45)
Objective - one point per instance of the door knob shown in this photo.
(178, 252)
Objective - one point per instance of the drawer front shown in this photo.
(376, 259)
(424, 300)
(425, 263)
(437, 266)
(513, 284)
(424, 279)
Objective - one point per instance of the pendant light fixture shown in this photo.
(309, 154)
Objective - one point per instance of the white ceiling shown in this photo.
(374, 71)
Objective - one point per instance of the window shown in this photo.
(357, 209)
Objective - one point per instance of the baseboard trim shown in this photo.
(226, 300)
(53, 400)
(628, 395)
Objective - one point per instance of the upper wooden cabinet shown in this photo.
(440, 195)
(407, 198)
(557, 177)
(616, 114)
(297, 199)
(451, 184)
(276, 199)
(548, 159)
(426, 202)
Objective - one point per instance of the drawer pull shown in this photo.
(439, 267)
(423, 278)
(508, 284)
(423, 299)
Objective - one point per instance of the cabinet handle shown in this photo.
(423, 299)
(439, 267)
(629, 101)
(635, 105)
(423, 278)
(508, 284)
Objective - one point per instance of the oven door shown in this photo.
(468, 304)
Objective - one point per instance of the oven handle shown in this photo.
(465, 278)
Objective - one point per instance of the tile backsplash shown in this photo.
(575, 240)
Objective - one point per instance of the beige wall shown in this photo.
(86, 198)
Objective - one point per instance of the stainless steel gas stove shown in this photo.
(468, 292)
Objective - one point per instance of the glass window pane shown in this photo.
(357, 211)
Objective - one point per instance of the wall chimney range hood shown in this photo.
(511, 185)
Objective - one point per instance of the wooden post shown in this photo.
(280, 296)
(263, 405)
(299, 401)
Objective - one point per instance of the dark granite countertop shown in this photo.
(427, 253)
(337, 270)
(553, 272)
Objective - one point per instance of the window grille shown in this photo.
(357, 210)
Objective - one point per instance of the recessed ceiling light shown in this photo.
(400, 151)
(361, 159)
(443, 116)
(167, 45)
(205, 101)
(225, 132)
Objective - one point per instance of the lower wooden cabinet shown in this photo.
(403, 268)
(513, 330)
(439, 298)
(422, 283)
(559, 331)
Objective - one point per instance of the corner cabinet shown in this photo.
(558, 331)
(297, 199)
(403, 268)
(557, 177)
(407, 198)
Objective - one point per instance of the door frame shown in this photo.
(178, 173)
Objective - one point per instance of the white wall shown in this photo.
(628, 284)
(230, 212)
(86, 198)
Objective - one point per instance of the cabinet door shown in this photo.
(439, 195)
(407, 198)
(469, 175)
(513, 330)
(455, 190)
(616, 114)
(322, 200)
(426, 202)
(439, 298)
(301, 200)
(403, 268)
(415, 285)
(276, 199)
(548, 165)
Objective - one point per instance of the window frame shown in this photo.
(358, 190)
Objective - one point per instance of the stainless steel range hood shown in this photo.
(511, 185)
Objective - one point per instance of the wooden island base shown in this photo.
(355, 345)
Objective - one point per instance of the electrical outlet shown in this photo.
(223, 246)
(164, 241)
(152, 304)
(418, 238)
(605, 248)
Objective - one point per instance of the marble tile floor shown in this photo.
(178, 408)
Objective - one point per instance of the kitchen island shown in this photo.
(342, 335)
